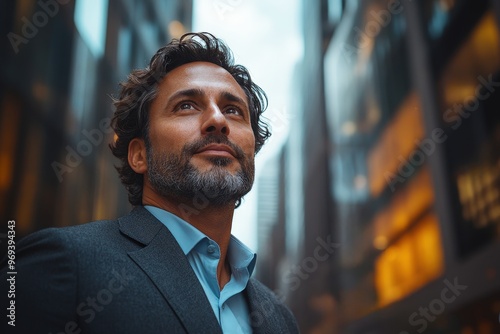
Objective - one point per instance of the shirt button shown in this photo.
(211, 249)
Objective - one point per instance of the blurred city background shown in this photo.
(377, 203)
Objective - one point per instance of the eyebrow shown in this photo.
(192, 92)
(233, 98)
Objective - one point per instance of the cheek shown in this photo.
(248, 142)
(168, 137)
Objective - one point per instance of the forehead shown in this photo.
(201, 75)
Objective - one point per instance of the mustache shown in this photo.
(191, 148)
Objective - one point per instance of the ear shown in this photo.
(137, 156)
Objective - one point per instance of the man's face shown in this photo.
(200, 136)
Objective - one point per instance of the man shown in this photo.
(187, 129)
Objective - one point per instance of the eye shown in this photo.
(184, 106)
(233, 111)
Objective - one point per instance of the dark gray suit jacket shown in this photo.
(120, 276)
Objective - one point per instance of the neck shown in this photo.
(213, 221)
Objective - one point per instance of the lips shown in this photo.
(217, 149)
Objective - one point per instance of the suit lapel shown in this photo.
(263, 317)
(267, 314)
(164, 262)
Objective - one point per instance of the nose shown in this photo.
(215, 122)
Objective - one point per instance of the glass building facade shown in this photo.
(399, 157)
(61, 62)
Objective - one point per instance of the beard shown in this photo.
(174, 176)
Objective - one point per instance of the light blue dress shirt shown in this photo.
(229, 304)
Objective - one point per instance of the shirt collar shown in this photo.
(188, 236)
(240, 256)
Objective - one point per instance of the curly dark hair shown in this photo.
(131, 117)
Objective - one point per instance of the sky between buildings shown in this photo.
(265, 36)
